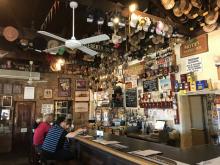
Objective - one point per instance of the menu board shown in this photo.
(150, 85)
(131, 97)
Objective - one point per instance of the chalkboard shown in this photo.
(131, 97)
(150, 85)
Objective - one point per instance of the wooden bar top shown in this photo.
(193, 155)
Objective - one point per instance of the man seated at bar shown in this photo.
(41, 131)
(55, 146)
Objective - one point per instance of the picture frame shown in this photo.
(82, 95)
(81, 85)
(7, 88)
(6, 101)
(17, 89)
(81, 107)
(64, 87)
(48, 93)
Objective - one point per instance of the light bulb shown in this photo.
(132, 7)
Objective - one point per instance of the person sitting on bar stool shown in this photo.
(41, 131)
(55, 146)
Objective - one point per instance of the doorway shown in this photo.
(198, 114)
(22, 130)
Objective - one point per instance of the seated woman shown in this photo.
(55, 146)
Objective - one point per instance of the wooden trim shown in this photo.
(114, 152)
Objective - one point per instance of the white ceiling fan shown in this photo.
(73, 43)
(30, 78)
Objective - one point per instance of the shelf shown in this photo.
(201, 92)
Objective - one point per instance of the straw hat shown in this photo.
(176, 10)
(10, 33)
(209, 28)
(218, 3)
(193, 13)
(196, 3)
(211, 18)
(185, 6)
(168, 4)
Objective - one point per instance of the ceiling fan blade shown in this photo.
(87, 50)
(52, 35)
(98, 38)
(54, 49)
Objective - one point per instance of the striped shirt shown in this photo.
(55, 140)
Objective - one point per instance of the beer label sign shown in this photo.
(194, 46)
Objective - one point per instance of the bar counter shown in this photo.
(90, 152)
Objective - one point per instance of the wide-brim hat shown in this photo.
(10, 33)
(194, 13)
(196, 3)
(211, 18)
(176, 10)
(168, 4)
(210, 28)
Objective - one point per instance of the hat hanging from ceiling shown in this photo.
(210, 28)
(211, 18)
(52, 44)
(39, 43)
(10, 33)
(168, 4)
(196, 3)
(176, 10)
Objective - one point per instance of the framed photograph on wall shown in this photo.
(81, 95)
(6, 101)
(64, 87)
(17, 89)
(48, 93)
(7, 89)
(81, 85)
(81, 106)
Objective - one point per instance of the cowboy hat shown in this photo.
(10, 33)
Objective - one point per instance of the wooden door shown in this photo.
(23, 121)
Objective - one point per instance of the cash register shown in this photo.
(158, 127)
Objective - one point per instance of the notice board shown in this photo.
(131, 97)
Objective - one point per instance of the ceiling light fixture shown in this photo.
(132, 7)
(116, 20)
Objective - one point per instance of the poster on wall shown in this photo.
(81, 85)
(64, 87)
(29, 92)
(194, 64)
(194, 46)
(47, 108)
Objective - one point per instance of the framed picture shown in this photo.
(5, 114)
(17, 89)
(81, 95)
(29, 92)
(81, 85)
(48, 93)
(6, 101)
(7, 89)
(64, 87)
(81, 107)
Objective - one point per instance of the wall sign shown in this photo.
(81, 106)
(135, 69)
(194, 64)
(194, 46)
(47, 108)
(150, 85)
(131, 97)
